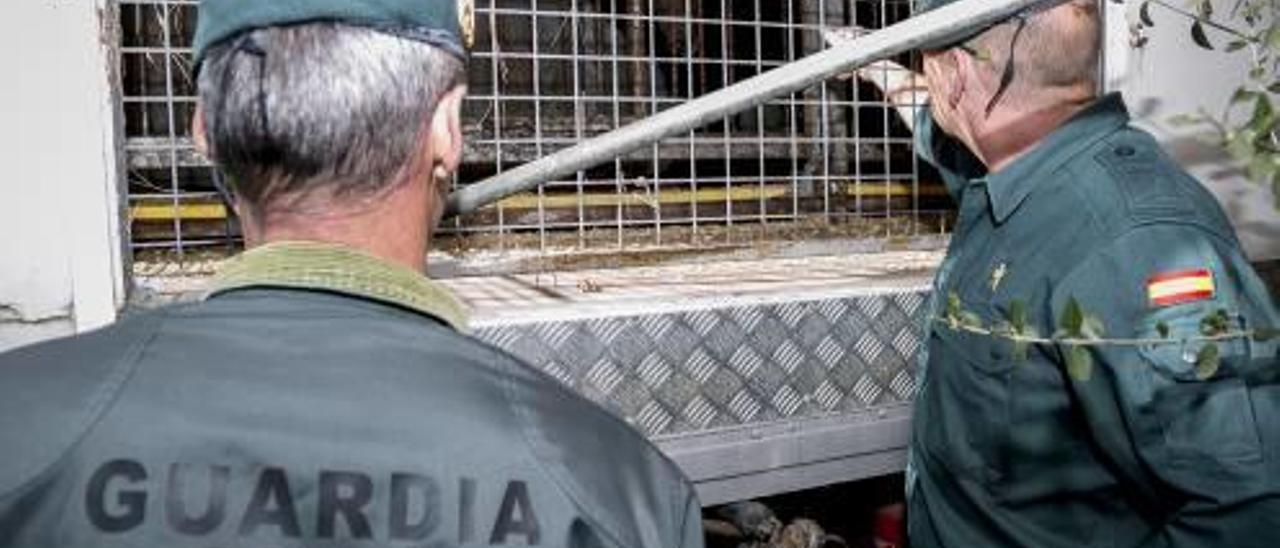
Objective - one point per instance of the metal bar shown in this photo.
(759, 39)
(617, 162)
(495, 49)
(792, 121)
(947, 21)
(689, 87)
(825, 121)
(653, 109)
(166, 20)
(726, 54)
(536, 76)
(579, 120)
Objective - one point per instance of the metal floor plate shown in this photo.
(757, 378)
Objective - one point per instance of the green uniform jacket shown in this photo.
(319, 398)
(1007, 452)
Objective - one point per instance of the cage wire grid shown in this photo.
(835, 159)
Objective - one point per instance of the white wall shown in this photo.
(1170, 75)
(60, 260)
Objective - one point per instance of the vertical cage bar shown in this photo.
(174, 184)
(693, 133)
(763, 216)
(655, 197)
(725, 80)
(617, 122)
(495, 62)
(579, 119)
(536, 77)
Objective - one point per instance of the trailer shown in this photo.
(748, 294)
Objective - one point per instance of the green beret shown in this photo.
(446, 24)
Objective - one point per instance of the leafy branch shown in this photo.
(1254, 141)
(1078, 331)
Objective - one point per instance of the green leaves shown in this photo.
(1215, 323)
(957, 317)
(1072, 322)
(1207, 361)
(1078, 325)
(1271, 38)
(1263, 114)
(1243, 95)
(1019, 327)
(1079, 330)
(1204, 8)
(1185, 120)
(1018, 316)
(970, 320)
(1252, 143)
(1198, 36)
(1079, 363)
(1144, 14)
(1093, 328)
(953, 310)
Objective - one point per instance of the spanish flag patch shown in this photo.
(1182, 286)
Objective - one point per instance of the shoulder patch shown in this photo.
(1179, 287)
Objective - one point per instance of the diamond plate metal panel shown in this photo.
(705, 368)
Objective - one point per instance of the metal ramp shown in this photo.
(757, 377)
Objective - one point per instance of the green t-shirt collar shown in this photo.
(338, 269)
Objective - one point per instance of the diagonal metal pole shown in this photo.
(955, 20)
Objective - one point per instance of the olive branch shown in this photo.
(1252, 140)
(1079, 330)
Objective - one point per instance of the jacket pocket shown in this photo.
(968, 401)
(1204, 420)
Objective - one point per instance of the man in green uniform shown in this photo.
(1074, 225)
(322, 395)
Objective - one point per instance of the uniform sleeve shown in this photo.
(948, 155)
(1191, 451)
(691, 535)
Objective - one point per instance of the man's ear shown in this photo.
(446, 132)
(962, 65)
(197, 131)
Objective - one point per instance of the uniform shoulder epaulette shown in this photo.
(1151, 184)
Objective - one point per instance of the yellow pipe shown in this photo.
(186, 211)
(209, 211)
(708, 195)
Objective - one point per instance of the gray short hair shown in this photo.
(1049, 53)
(319, 107)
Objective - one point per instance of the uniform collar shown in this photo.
(1009, 187)
(338, 269)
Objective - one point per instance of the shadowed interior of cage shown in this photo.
(833, 161)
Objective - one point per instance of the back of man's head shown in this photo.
(1054, 49)
(325, 98)
(321, 107)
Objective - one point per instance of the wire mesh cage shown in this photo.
(835, 160)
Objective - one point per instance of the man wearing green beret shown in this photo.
(1155, 423)
(322, 394)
